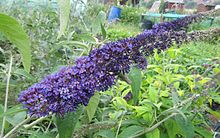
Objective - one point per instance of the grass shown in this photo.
(120, 30)
(126, 27)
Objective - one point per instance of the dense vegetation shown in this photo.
(101, 80)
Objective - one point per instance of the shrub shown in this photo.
(131, 14)
(120, 31)
(115, 34)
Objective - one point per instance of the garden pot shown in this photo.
(114, 14)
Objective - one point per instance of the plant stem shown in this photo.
(6, 96)
(93, 127)
(34, 123)
(17, 127)
(47, 130)
(119, 125)
(154, 126)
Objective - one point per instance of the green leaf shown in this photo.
(40, 135)
(148, 117)
(106, 133)
(164, 135)
(136, 79)
(17, 118)
(203, 132)
(153, 134)
(156, 55)
(153, 94)
(74, 43)
(24, 73)
(130, 131)
(172, 128)
(14, 110)
(215, 113)
(100, 19)
(172, 53)
(128, 122)
(15, 33)
(175, 97)
(216, 70)
(64, 6)
(66, 125)
(185, 126)
(120, 102)
(13, 115)
(92, 106)
(215, 97)
(88, 38)
(103, 31)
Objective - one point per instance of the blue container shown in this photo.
(115, 13)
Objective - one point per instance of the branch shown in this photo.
(34, 123)
(154, 126)
(6, 95)
(17, 127)
(85, 130)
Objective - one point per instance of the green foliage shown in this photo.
(48, 53)
(172, 128)
(94, 9)
(205, 24)
(67, 123)
(15, 33)
(105, 133)
(121, 30)
(131, 15)
(171, 81)
(203, 132)
(64, 6)
(14, 115)
(162, 6)
(173, 97)
(92, 106)
(185, 126)
(41, 135)
(136, 78)
(98, 22)
(154, 134)
(130, 131)
(114, 34)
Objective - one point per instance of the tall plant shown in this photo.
(12, 30)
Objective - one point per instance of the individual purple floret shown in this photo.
(70, 87)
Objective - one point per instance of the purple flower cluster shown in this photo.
(179, 24)
(72, 86)
(65, 90)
